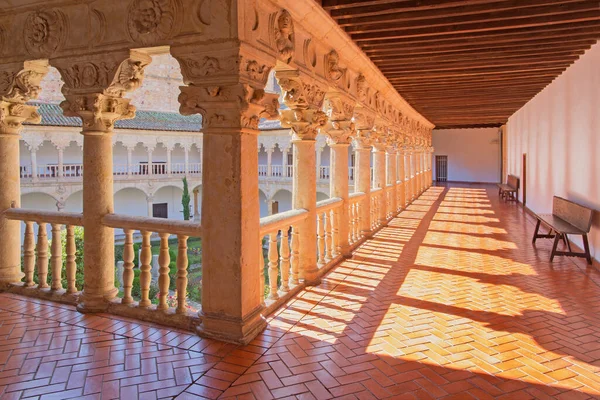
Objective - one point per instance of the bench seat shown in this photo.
(560, 225)
(506, 188)
(567, 218)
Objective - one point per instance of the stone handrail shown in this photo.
(151, 224)
(357, 196)
(281, 220)
(328, 204)
(52, 217)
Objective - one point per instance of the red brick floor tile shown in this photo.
(450, 300)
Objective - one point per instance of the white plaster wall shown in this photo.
(264, 206)
(172, 196)
(559, 131)
(72, 154)
(74, 202)
(132, 202)
(284, 197)
(47, 154)
(473, 154)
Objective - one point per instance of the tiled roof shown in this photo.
(52, 115)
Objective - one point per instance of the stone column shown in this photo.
(304, 97)
(231, 100)
(339, 134)
(379, 179)
(319, 151)
(61, 167)
(129, 160)
(150, 151)
(169, 150)
(186, 159)
(269, 157)
(390, 154)
(150, 205)
(196, 210)
(21, 84)
(401, 177)
(284, 163)
(99, 103)
(34, 175)
(362, 167)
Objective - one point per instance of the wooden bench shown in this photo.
(567, 218)
(510, 189)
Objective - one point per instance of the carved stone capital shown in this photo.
(238, 106)
(111, 75)
(364, 119)
(300, 92)
(98, 112)
(305, 124)
(19, 83)
(362, 139)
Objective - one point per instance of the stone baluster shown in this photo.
(320, 239)
(284, 261)
(56, 258)
(128, 257)
(20, 83)
(232, 101)
(28, 254)
(99, 102)
(71, 261)
(335, 231)
(163, 279)
(340, 131)
(273, 266)
(145, 274)
(182, 266)
(42, 256)
(295, 256)
(328, 226)
(304, 98)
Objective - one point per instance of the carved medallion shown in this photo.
(44, 32)
(283, 34)
(151, 20)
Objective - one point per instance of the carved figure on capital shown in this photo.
(305, 124)
(341, 128)
(299, 92)
(19, 83)
(283, 36)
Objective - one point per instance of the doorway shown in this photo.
(160, 210)
(441, 168)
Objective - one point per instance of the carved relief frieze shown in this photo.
(283, 36)
(152, 20)
(44, 32)
(334, 72)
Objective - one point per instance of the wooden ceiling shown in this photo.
(469, 63)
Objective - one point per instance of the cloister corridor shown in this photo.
(450, 300)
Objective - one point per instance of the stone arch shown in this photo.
(170, 194)
(263, 202)
(131, 201)
(74, 203)
(39, 201)
(284, 199)
(322, 196)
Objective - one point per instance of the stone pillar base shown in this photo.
(95, 304)
(232, 330)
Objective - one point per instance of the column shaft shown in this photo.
(379, 181)
(362, 183)
(10, 196)
(339, 188)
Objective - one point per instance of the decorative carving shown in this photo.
(283, 32)
(97, 111)
(305, 124)
(128, 77)
(255, 71)
(341, 128)
(334, 72)
(151, 20)
(361, 88)
(310, 54)
(44, 32)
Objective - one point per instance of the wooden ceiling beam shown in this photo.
(424, 30)
(467, 81)
(474, 74)
(564, 32)
(366, 8)
(516, 29)
(457, 65)
(400, 59)
(391, 22)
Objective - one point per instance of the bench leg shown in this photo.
(586, 247)
(554, 246)
(537, 229)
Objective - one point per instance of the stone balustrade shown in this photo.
(71, 171)
(354, 218)
(328, 239)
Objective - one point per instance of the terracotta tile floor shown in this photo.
(450, 301)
